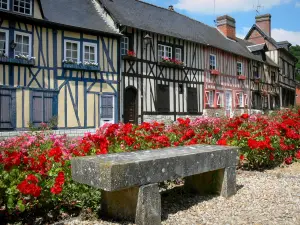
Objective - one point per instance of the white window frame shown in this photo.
(210, 98)
(240, 98)
(113, 105)
(13, 7)
(215, 62)
(237, 68)
(164, 51)
(220, 99)
(89, 44)
(30, 41)
(8, 2)
(6, 40)
(78, 50)
(126, 44)
(180, 59)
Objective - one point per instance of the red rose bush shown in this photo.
(35, 170)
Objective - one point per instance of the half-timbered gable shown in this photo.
(279, 69)
(56, 67)
(154, 88)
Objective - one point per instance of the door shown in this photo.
(7, 108)
(130, 105)
(228, 103)
(107, 109)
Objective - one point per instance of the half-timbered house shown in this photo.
(274, 81)
(213, 78)
(59, 61)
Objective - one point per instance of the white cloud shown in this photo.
(225, 6)
(285, 35)
(277, 33)
(297, 4)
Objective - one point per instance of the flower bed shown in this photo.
(35, 168)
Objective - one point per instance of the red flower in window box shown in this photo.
(242, 77)
(214, 72)
(131, 53)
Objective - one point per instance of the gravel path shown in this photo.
(272, 197)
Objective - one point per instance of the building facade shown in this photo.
(273, 81)
(54, 69)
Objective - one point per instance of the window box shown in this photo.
(82, 67)
(242, 77)
(214, 72)
(171, 65)
(129, 57)
(26, 62)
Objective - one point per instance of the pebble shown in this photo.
(263, 198)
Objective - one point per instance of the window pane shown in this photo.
(3, 4)
(69, 45)
(22, 6)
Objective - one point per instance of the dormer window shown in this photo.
(22, 6)
(4, 4)
(239, 68)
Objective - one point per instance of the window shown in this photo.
(89, 52)
(209, 98)
(163, 98)
(3, 42)
(245, 99)
(239, 100)
(220, 99)
(256, 101)
(239, 68)
(192, 103)
(212, 62)
(124, 45)
(72, 51)
(4, 4)
(7, 108)
(107, 105)
(178, 54)
(273, 77)
(255, 71)
(23, 42)
(164, 51)
(22, 6)
(180, 88)
(43, 108)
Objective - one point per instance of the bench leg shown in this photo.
(221, 181)
(139, 204)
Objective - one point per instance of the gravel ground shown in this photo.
(263, 198)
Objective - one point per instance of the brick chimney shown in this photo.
(226, 25)
(264, 23)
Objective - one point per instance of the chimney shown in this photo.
(226, 25)
(264, 23)
(171, 8)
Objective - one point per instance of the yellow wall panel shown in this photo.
(71, 34)
(37, 10)
(22, 75)
(81, 103)
(107, 88)
(97, 110)
(50, 47)
(61, 106)
(96, 87)
(7, 74)
(100, 56)
(36, 46)
(5, 24)
(29, 27)
(19, 107)
(51, 83)
(115, 57)
(44, 45)
(59, 48)
(16, 71)
(39, 77)
(90, 110)
(71, 117)
(91, 37)
(105, 57)
(26, 108)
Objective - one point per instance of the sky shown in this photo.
(285, 14)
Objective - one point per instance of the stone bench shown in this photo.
(129, 181)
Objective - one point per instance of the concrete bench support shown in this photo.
(129, 181)
(142, 205)
(221, 182)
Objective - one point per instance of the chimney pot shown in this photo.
(264, 23)
(171, 8)
(226, 25)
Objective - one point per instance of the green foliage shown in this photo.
(295, 50)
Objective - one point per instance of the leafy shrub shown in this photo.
(35, 167)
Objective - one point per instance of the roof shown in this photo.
(148, 17)
(76, 13)
(259, 47)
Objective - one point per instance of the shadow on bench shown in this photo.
(129, 181)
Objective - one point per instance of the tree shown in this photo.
(295, 50)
